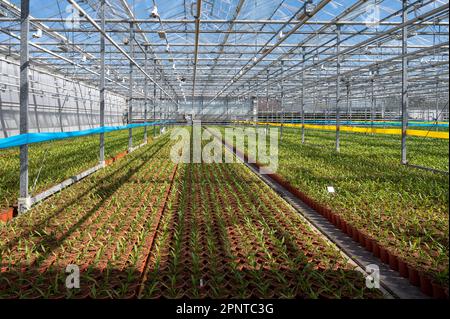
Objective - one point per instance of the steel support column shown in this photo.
(154, 99)
(437, 104)
(255, 109)
(302, 102)
(24, 197)
(102, 84)
(130, 101)
(160, 111)
(197, 38)
(338, 87)
(145, 94)
(404, 80)
(267, 98)
(282, 100)
(349, 108)
(372, 102)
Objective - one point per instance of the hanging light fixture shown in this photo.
(154, 14)
(309, 8)
(37, 34)
(280, 35)
(162, 35)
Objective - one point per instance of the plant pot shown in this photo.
(355, 234)
(362, 239)
(413, 276)
(323, 211)
(375, 248)
(384, 256)
(337, 221)
(403, 268)
(332, 218)
(307, 201)
(393, 261)
(369, 244)
(343, 225)
(328, 215)
(349, 230)
(438, 291)
(425, 284)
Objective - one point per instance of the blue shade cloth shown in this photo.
(31, 138)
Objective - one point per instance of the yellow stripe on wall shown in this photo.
(353, 129)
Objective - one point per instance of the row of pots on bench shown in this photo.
(415, 276)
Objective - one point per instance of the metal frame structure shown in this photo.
(392, 54)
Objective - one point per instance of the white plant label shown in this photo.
(331, 189)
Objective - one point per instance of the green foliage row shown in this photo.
(58, 160)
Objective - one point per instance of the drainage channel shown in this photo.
(391, 283)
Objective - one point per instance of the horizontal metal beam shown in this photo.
(218, 31)
(210, 21)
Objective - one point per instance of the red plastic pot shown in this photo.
(384, 256)
(375, 248)
(326, 214)
(369, 244)
(324, 211)
(403, 268)
(343, 226)
(362, 239)
(438, 291)
(355, 235)
(393, 261)
(349, 230)
(330, 216)
(306, 200)
(425, 284)
(337, 221)
(320, 209)
(413, 276)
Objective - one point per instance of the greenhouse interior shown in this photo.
(224, 149)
